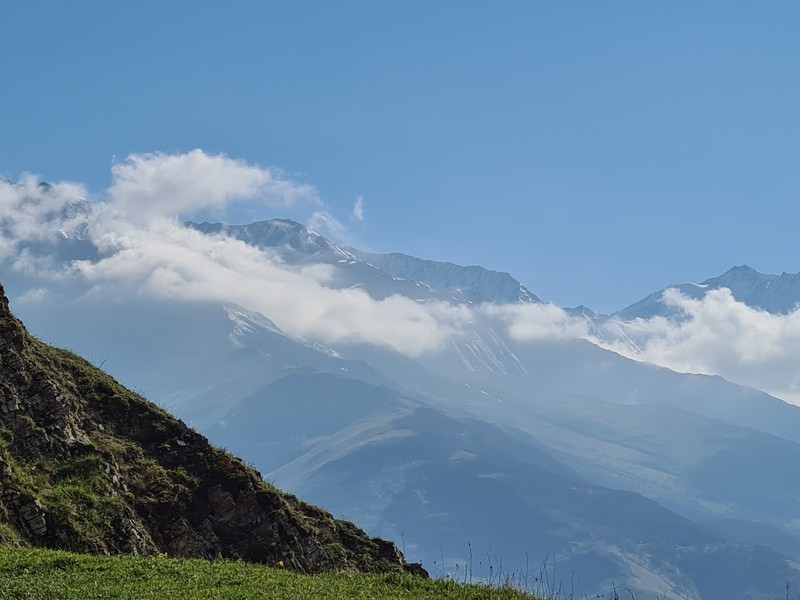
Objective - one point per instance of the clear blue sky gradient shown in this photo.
(595, 150)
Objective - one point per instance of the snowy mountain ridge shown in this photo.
(476, 284)
(380, 275)
(776, 294)
(295, 242)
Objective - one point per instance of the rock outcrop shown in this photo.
(87, 465)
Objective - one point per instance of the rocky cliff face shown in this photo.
(87, 465)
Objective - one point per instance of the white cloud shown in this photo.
(169, 185)
(31, 212)
(717, 335)
(529, 322)
(33, 296)
(168, 261)
(358, 209)
(325, 224)
(144, 250)
(714, 335)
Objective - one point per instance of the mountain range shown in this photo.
(496, 451)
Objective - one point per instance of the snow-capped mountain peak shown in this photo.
(777, 294)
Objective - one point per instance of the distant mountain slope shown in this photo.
(463, 485)
(777, 294)
(439, 473)
(87, 465)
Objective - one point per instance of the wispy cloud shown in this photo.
(358, 209)
(325, 224)
(530, 322)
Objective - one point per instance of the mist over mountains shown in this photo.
(446, 407)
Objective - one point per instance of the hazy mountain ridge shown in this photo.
(407, 469)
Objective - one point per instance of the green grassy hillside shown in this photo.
(51, 575)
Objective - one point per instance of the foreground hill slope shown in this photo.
(87, 465)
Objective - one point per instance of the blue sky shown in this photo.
(597, 151)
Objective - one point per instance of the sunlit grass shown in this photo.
(47, 574)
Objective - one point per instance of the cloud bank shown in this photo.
(534, 322)
(129, 242)
(712, 335)
(716, 335)
(142, 249)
